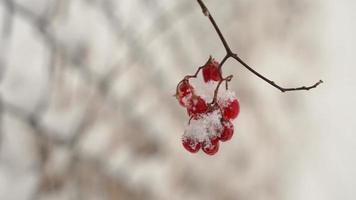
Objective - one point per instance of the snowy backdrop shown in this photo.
(87, 112)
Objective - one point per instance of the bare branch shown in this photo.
(216, 27)
(230, 54)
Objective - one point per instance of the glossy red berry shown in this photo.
(227, 132)
(212, 147)
(183, 92)
(184, 88)
(211, 71)
(232, 110)
(190, 145)
(197, 105)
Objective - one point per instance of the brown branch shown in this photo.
(186, 78)
(216, 27)
(230, 54)
(194, 75)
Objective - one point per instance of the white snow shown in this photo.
(205, 127)
(206, 91)
(225, 96)
(186, 98)
(208, 125)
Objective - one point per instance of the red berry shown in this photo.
(212, 147)
(184, 89)
(227, 132)
(197, 105)
(191, 145)
(211, 71)
(232, 110)
(185, 100)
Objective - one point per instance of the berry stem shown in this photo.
(194, 75)
(230, 54)
(227, 79)
(224, 60)
(187, 77)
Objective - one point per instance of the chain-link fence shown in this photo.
(87, 106)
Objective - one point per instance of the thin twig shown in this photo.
(230, 54)
(227, 79)
(216, 27)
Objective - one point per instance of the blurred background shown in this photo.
(86, 106)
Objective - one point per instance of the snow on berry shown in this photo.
(191, 145)
(184, 92)
(184, 101)
(228, 102)
(197, 105)
(232, 109)
(206, 90)
(211, 147)
(225, 96)
(184, 88)
(205, 127)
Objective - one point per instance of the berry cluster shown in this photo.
(210, 110)
(211, 122)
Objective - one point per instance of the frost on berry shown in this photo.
(228, 102)
(211, 71)
(204, 128)
(184, 93)
(184, 101)
(191, 145)
(184, 88)
(225, 96)
(197, 105)
(206, 90)
(232, 109)
(211, 147)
